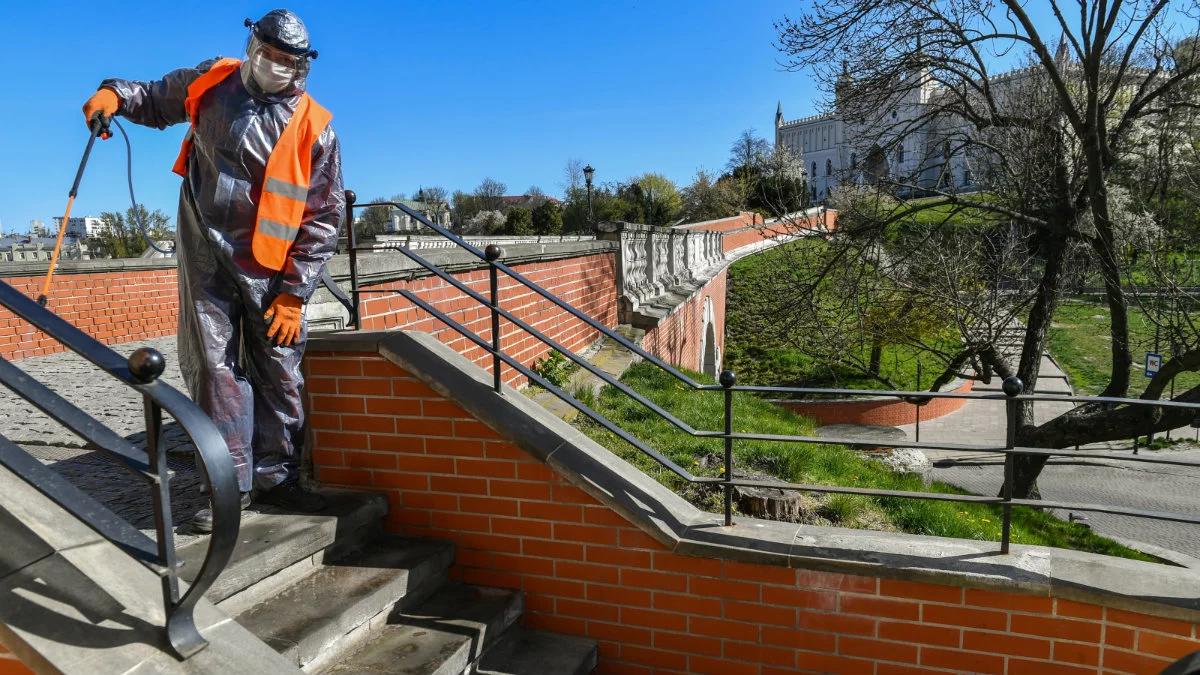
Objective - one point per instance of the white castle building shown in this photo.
(903, 142)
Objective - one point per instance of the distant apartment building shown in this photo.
(83, 227)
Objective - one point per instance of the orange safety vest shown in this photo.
(289, 168)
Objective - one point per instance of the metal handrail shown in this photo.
(140, 372)
(1011, 395)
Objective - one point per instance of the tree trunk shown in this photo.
(876, 356)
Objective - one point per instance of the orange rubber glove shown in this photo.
(104, 101)
(285, 316)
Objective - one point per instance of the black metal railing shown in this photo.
(1011, 396)
(141, 373)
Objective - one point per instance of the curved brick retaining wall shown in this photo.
(883, 411)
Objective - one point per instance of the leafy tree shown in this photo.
(518, 222)
(122, 235)
(708, 199)
(548, 218)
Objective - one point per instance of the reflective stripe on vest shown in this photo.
(286, 180)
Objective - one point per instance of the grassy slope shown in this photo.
(827, 464)
(1079, 340)
(761, 358)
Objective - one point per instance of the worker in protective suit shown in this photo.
(259, 210)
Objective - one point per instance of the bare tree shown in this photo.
(1022, 160)
(746, 154)
(489, 193)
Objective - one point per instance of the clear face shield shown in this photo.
(274, 70)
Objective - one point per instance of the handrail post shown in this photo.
(352, 243)
(728, 379)
(1012, 387)
(492, 253)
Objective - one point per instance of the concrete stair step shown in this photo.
(442, 636)
(276, 549)
(318, 617)
(529, 652)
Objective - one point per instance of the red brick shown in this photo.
(530, 471)
(687, 643)
(899, 669)
(562, 588)
(1077, 610)
(1006, 643)
(403, 481)
(762, 654)
(521, 527)
(368, 460)
(614, 555)
(458, 484)
(552, 549)
(799, 639)
(1041, 667)
(489, 468)
(626, 635)
(919, 633)
(590, 534)
(962, 661)
(586, 572)
(369, 423)
(1165, 645)
(1119, 636)
(711, 666)
(802, 598)
(720, 588)
(880, 607)
(722, 628)
(472, 429)
(444, 408)
(461, 521)
(876, 649)
(1016, 602)
(650, 618)
(965, 617)
(398, 444)
(338, 476)
(1146, 621)
(763, 613)
(424, 463)
(631, 597)
(587, 610)
(571, 513)
(571, 494)
(488, 542)
(671, 562)
(334, 439)
(654, 657)
(327, 457)
(1068, 629)
(500, 450)
(519, 490)
(836, 623)
(365, 386)
(631, 538)
(405, 407)
(1129, 662)
(488, 505)
(412, 389)
(919, 591)
(687, 604)
(828, 663)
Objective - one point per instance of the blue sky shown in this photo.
(432, 93)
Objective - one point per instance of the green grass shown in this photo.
(808, 463)
(762, 356)
(1080, 342)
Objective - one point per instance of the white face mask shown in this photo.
(271, 77)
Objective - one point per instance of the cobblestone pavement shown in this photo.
(1145, 486)
(116, 406)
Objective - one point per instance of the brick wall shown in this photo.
(750, 228)
(110, 306)
(586, 571)
(586, 282)
(881, 411)
(679, 338)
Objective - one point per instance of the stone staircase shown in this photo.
(333, 594)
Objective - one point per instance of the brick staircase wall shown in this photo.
(585, 570)
(9, 665)
(679, 338)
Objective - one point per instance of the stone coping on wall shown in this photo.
(1160, 590)
(884, 410)
(29, 268)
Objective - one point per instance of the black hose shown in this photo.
(134, 211)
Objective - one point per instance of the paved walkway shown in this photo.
(119, 408)
(1144, 486)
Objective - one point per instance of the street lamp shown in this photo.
(588, 172)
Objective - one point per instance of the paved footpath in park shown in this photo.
(1109, 482)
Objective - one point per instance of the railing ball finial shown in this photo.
(351, 196)
(727, 378)
(1012, 385)
(146, 364)
(492, 252)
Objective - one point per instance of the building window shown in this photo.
(853, 161)
(829, 167)
(966, 176)
(814, 170)
(900, 152)
(946, 150)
